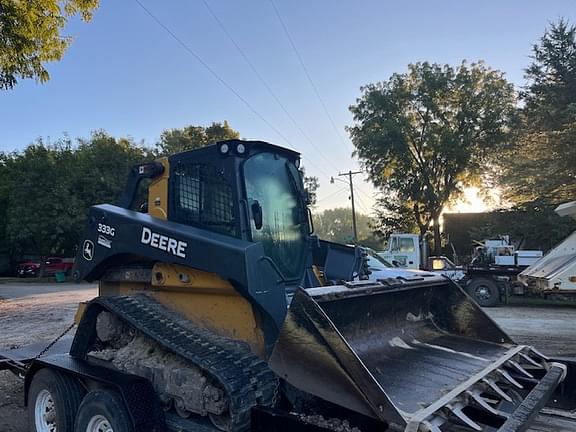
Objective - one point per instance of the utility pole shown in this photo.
(350, 174)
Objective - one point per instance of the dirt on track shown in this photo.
(32, 313)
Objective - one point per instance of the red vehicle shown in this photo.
(53, 265)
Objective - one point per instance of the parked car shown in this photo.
(381, 268)
(53, 265)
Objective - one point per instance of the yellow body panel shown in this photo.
(158, 192)
(209, 301)
(204, 298)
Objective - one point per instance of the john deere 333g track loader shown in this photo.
(219, 310)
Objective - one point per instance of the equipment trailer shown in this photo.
(216, 312)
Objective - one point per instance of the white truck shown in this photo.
(488, 279)
(555, 273)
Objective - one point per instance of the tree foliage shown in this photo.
(536, 226)
(102, 166)
(3, 202)
(336, 225)
(424, 135)
(392, 216)
(47, 190)
(31, 36)
(311, 184)
(192, 137)
(538, 166)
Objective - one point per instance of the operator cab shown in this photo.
(250, 190)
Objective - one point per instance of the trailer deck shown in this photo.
(19, 360)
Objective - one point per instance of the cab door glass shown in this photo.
(406, 245)
(273, 192)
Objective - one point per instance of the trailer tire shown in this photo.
(103, 410)
(484, 291)
(53, 400)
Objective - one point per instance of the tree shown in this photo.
(336, 225)
(102, 166)
(3, 202)
(41, 212)
(392, 216)
(538, 165)
(192, 137)
(311, 184)
(31, 35)
(536, 226)
(50, 188)
(424, 135)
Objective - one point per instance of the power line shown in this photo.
(212, 71)
(332, 195)
(267, 86)
(363, 205)
(263, 81)
(220, 79)
(305, 69)
(306, 158)
(365, 194)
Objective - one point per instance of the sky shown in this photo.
(130, 76)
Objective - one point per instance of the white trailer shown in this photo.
(555, 272)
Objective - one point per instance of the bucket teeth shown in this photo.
(538, 354)
(530, 360)
(492, 384)
(458, 413)
(482, 403)
(428, 426)
(514, 365)
(508, 378)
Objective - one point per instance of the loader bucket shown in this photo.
(412, 353)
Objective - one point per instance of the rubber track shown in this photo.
(246, 379)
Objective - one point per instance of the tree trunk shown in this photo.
(42, 269)
(437, 238)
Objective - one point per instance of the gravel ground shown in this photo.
(32, 312)
(29, 313)
(551, 330)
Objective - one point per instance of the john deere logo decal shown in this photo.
(88, 250)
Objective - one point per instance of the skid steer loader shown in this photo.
(219, 310)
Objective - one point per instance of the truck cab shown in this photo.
(403, 250)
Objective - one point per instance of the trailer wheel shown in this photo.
(484, 291)
(53, 401)
(102, 411)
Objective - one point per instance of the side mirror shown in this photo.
(257, 214)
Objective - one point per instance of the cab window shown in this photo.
(273, 191)
(406, 245)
